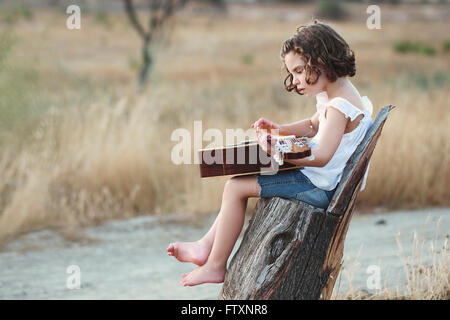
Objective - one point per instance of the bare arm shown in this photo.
(330, 137)
(302, 128)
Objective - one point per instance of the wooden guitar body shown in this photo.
(248, 157)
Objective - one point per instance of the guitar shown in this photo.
(248, 157)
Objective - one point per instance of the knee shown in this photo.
(231, 189)
(230, 186)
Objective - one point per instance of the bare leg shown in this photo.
(198, 251)
(229, 225)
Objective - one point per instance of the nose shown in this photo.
(295, 81)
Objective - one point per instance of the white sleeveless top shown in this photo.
(328, 177)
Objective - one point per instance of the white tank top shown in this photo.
(328, 177)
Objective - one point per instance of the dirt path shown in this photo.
(127, 259)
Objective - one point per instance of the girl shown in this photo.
(318, 63)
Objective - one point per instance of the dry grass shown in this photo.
(99, 151)
(426, 270)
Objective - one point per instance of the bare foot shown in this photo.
(204, 274)
(195, 252)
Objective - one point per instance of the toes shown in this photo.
(175, 249)
(184, 282)
(172, 250)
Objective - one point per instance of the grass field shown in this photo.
(79, 146)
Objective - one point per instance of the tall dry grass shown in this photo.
(426, 272)
(106, 154)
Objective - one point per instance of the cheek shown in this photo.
(320, 84)
(314, 89)
(303, 78)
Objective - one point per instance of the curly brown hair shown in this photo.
(323, 50)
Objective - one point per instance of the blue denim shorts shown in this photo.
(294, 184)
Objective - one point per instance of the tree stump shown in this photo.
(292, 250)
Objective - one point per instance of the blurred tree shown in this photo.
(330, 9)
(297, 1)
(160, 12)
(220, 5)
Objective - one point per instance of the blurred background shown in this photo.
(86, 115)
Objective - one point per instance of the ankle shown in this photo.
(204, 243)
(216, 265)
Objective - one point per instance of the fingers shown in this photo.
(264, 124)
(261, 123)
(264, 142)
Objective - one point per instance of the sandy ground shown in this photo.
(127, 259)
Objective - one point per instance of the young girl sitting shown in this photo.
(319, 63)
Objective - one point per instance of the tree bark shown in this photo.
(281, 253)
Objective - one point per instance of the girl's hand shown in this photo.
(263, 141)
(265, 124)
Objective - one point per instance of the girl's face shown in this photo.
(296, 66)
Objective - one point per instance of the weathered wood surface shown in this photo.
(292, 250)
(283, 242)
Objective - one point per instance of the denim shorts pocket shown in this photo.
(316, 197)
